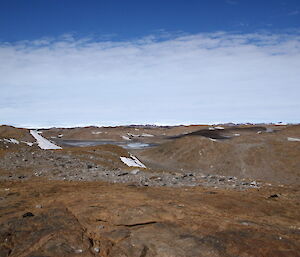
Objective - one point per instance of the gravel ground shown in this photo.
(26, 164)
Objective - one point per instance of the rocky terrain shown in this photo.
(269, 154)
(223, 190)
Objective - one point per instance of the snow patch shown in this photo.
(14, 141)
(125, 138)
(219, 127)
(43, 143)
(96, 132)
(132, 135)
(293, 139)
(27, 143)
(132, 161)
(11, 140)
(281, 123)
(147, 135)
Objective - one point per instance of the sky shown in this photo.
(165, 62)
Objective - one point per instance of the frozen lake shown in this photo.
(83, 143)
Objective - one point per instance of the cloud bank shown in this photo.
(201, 78)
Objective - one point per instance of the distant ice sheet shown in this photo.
(43, 143)
(132, 161)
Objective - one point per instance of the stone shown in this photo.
(27, 214)
(96, 249)
(134, 172)
(122, 174)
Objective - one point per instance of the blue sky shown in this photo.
(117, 19)
(68, 62)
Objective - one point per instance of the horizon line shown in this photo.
(151, 124)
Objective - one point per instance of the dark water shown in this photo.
(83, 143)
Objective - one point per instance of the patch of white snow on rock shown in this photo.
(132, 135)
(147, 135)
(42, 142)
(132, 161)
(96, 132)
(293, 139)
(27, 143)
(126, 138)
(11, 140)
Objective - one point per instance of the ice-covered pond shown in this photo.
(83, 143)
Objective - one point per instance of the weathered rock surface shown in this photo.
(119, 220)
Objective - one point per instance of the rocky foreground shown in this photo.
(58, 218)
(84, 201)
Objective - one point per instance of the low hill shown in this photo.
(263, 156)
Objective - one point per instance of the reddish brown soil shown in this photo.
(77, 219)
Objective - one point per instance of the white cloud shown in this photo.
(182, 79)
